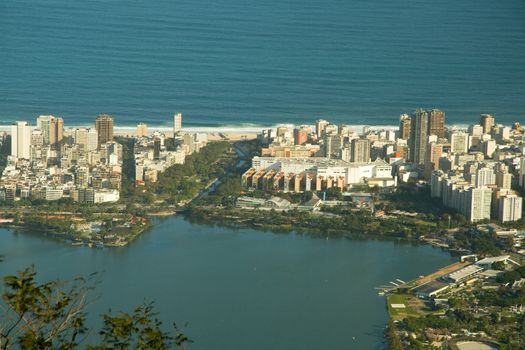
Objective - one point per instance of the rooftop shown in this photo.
(465, 272)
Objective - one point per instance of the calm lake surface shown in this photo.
(243, 62)
(240, 289)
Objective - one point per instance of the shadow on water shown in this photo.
(314, 234)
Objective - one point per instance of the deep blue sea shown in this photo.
(239, 62)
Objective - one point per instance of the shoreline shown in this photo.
(229, 224)
(232, 222)
(129, 130)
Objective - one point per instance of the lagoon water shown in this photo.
(240, 289)
(245, 62)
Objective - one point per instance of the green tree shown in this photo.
(334, 193)
(306, 196)
(499, 265)
(52, 315)
(392, 337)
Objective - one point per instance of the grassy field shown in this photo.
(413, 306)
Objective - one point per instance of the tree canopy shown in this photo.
(52, 316)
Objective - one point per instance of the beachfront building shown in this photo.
(487, 122)
(52, 129)
(142, 130)
(436, 123)
(104, 127)
(320, 126)
(404, 126)
(20, 140)
(177, 124)
(418, 136)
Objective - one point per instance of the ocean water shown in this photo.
(252, 62)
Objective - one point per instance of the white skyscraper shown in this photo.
(37, 138)
(459, 142)
(504, 133)
(177, 123)
(80, 136)
(478, 203)
(92, 139)
(503, 178)
(485, 176)
(52, 129)
(475, 132)
(521, 179)
(510, 208)
(320, 125)
(488, 148)
(21, 140)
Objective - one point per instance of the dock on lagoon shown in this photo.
(435, 242)
(400, 285)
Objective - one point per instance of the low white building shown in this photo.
(105, 196)
(339, 171)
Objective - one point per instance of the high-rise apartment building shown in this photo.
(21, 140)
(487, 122)
(475, 131)
(52, 129)
(433, 153)
(488, 148)
(485, 176)
(104, 127)
(418, 136)
(404, 126)
(360, 151)
(92, 139)
(333, 145)
(459, 142)
(503, 134)
(346, 154)
(503, 178)
(142, 130)
(510, 208)
(457, 193)
(300, 136)
(344, 130)
(436, 123)
(521, 179)
(478, 200)
(331, 129)
(156, 148)
(401, 147)
(320, 125)
(177, 123)
(57, 134)
(80, 137)
(42, 123)
(82, 177)
(86, 138)
(37, 138)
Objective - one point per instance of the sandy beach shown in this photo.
(227, 133)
